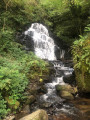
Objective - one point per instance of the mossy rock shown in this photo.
(83, 81)
(37, 115)
(66, 95)
(65, 87)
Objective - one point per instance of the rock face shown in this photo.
(66, 91)
(70, 79)
(37, 115)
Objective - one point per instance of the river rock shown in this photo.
(37, 88)
(42, 89)
(66, 95)
(33, 88)
(70, 79)
(46, 105)
(37, 115)
(66, 87)
(66, 91)
(30, 99)
(11, 117)
(26, 110)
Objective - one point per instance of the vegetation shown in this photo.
(81, 58)
(17, 68)
(66, 18)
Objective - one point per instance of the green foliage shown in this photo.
(16, 69)
(67, 19)
(81, 58)
(5, 39)
(81, 52)
(3, 110)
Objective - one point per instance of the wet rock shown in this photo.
(31, 99)
(37, 115)
(70, 79)
(47, 79)
(42, 89)
(11, 117)
(34, 88)
(66, 91)
(26, 110)
(66, 95)
(66, 87)
(61, 116)
(45, 105)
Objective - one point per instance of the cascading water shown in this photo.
(44, 45)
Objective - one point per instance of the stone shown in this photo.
(70, 79)
(11, 117)
(66, 87)
(37, 115)
(26, 110)
(66, 95)
(30, 99)
(46, 105)
(66, 91)
(43, 89)
(62, 116)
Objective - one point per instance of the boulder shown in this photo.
(11, 117)
(66, 87)
(70, 79)
(26, 110)
(66, 95)
(30, 99)
(37, 115)
(42, 89)
(66, 91)
(46, 105)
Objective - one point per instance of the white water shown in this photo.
(44, 45)
(51, 96)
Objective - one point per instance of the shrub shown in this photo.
(16, 69)
(6, 37)
(81, 58)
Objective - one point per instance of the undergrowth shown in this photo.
(17, 68)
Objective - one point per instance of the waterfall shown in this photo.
(44, 45)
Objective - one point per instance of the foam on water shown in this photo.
(44, 45)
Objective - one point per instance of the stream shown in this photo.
(57, 107)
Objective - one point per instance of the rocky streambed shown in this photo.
(58, 96)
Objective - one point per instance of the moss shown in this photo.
(83, 81)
